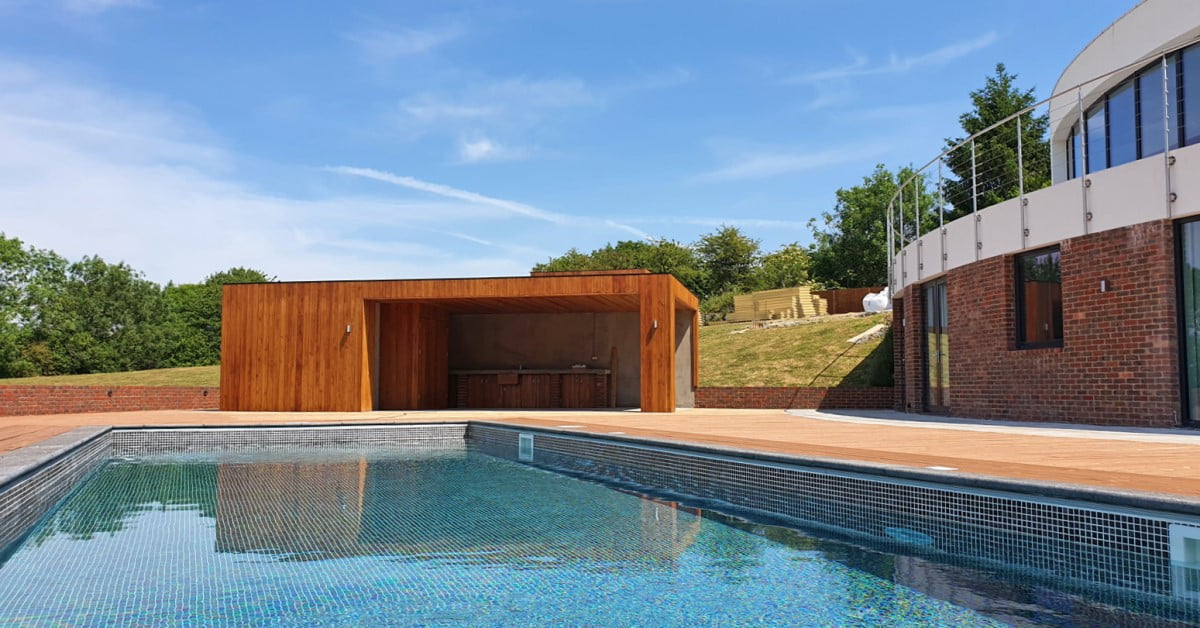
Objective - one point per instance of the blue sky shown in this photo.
(318, 140)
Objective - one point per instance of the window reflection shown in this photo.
(1039, 299)
(1122, 127)
(1150, 107)
(1190, 120)
(1097, 158)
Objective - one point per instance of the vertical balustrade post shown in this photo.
(1167, 134)
(1083, 159)
(1021, 184)
(941, 210)
(975, 200)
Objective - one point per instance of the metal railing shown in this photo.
(1008, 160)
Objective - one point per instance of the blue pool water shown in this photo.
(370, 537)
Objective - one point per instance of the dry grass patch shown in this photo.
(815, 354)
(209, 376)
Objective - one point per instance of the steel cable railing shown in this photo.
(1008, 160)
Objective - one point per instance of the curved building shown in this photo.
(1069, 288)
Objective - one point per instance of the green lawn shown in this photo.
(186, 376)
(815, 354)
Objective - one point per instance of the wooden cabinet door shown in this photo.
(577, 391)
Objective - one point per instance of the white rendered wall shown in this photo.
(1125, 195)
(1150, 27)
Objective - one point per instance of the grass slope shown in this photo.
(186, 376)
(814, 354)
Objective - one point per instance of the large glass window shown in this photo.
(1127, 124)
(1189, 279)
(1039, 299)
(1122, 127)
(1190, 94)
(1150, 107)
(1097, 153)
(1074, 153)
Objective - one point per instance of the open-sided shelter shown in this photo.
(550, 340)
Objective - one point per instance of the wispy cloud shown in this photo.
(91, 7)
(763, 165)
(769, 223)
(381, 45)
(514, 207)
(145, 181)
(860, 64)
(482, 150)
(829, 94)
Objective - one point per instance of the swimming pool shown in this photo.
(446, 531)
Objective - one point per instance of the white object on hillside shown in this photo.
(877, 301)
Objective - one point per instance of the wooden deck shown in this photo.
(1157, 461)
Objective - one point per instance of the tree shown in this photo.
(106, 317)
(729, 258)
(996, 163)
(784, 268)
(659, 256)
(193, 334)
(29, 279)
(850, 242)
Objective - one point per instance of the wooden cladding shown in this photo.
(532, 390)
(412, 356)
(363, 345)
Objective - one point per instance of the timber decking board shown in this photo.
(312, 346)
(1150, 463)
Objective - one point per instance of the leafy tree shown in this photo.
(784, 268)
(729, 258)
(572, 260)
(194, 326)
(996, 163)
(660, 256)
(29, 277)
(107, 317)
(850, 242)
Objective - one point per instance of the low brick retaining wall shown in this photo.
(783, 397)
(21, 400)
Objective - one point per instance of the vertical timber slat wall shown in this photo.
(362, 345)
(412, 357)
(658, 344)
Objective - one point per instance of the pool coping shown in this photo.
(1142, 500)
(21, 463)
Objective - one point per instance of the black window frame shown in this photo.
(1180, 112)
(1019, 294)
(1185, 416)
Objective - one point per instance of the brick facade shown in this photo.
(1119, 363)
(770, 398)
(23, 400)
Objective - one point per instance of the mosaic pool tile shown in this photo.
(425, 536)
(1115, 557)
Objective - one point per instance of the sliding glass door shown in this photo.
(1189, 309)
(937, 348)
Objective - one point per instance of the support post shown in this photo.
(975, 199)
(657, 314)
(1083, 159)
(1167, 135)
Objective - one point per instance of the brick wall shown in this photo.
(898, 354)
(1119, 361)
(22, 400)
(768, 398)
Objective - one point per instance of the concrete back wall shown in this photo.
(552, 341)
(685, 395)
